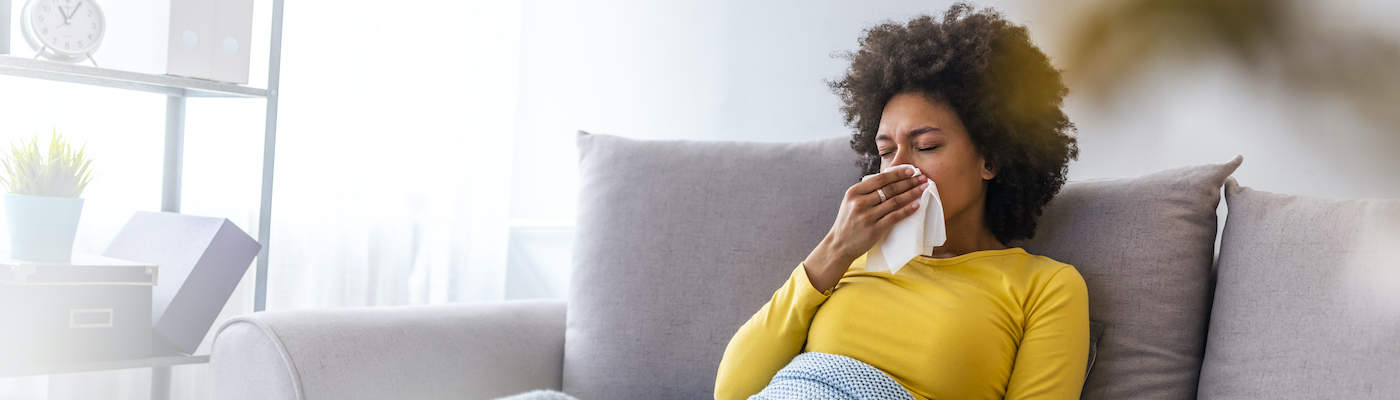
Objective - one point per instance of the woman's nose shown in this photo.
(901, 156)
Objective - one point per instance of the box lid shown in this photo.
(81, 270)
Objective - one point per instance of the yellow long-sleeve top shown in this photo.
(983, 325)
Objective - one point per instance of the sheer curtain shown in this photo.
(393, 164)
(394, 148)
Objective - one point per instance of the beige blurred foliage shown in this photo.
(1280, 42)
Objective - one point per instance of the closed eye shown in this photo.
(887, 154)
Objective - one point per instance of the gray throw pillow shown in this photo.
(677, 243)
(1307, 299)
(1144, 246)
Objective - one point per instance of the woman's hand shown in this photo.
(863, 220)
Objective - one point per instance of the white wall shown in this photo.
(753, 70)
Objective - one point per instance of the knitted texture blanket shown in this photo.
(810, 375)
(814, 375)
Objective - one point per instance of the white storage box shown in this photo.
(201, 260)
(91, 308)
(206, 39)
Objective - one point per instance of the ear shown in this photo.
(988, 172)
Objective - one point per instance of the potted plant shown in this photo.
(42, 206)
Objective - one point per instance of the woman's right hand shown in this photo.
(863, 220)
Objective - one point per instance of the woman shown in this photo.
(975, 107)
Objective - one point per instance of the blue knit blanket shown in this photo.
(814, 375)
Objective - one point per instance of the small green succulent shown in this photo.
(64, 173)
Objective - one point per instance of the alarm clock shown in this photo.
(63, 30)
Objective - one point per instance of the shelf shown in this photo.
(162, 84)
(90, 366)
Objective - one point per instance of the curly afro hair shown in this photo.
(1001, 86)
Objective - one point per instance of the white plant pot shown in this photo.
(42, 228)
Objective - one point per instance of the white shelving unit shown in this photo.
(168, 85)
(177, 90)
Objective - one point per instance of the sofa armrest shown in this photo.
(469, 351)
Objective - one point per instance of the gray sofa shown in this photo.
(679, 242)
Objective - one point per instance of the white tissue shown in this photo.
(914, 235)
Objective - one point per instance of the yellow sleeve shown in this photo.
(1054, 351)
(769, 339)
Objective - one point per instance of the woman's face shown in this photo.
(928, 135)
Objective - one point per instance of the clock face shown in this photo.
(68, 27)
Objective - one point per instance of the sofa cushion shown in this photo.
(1145, 247)
(677, 243)
(1307, 299)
